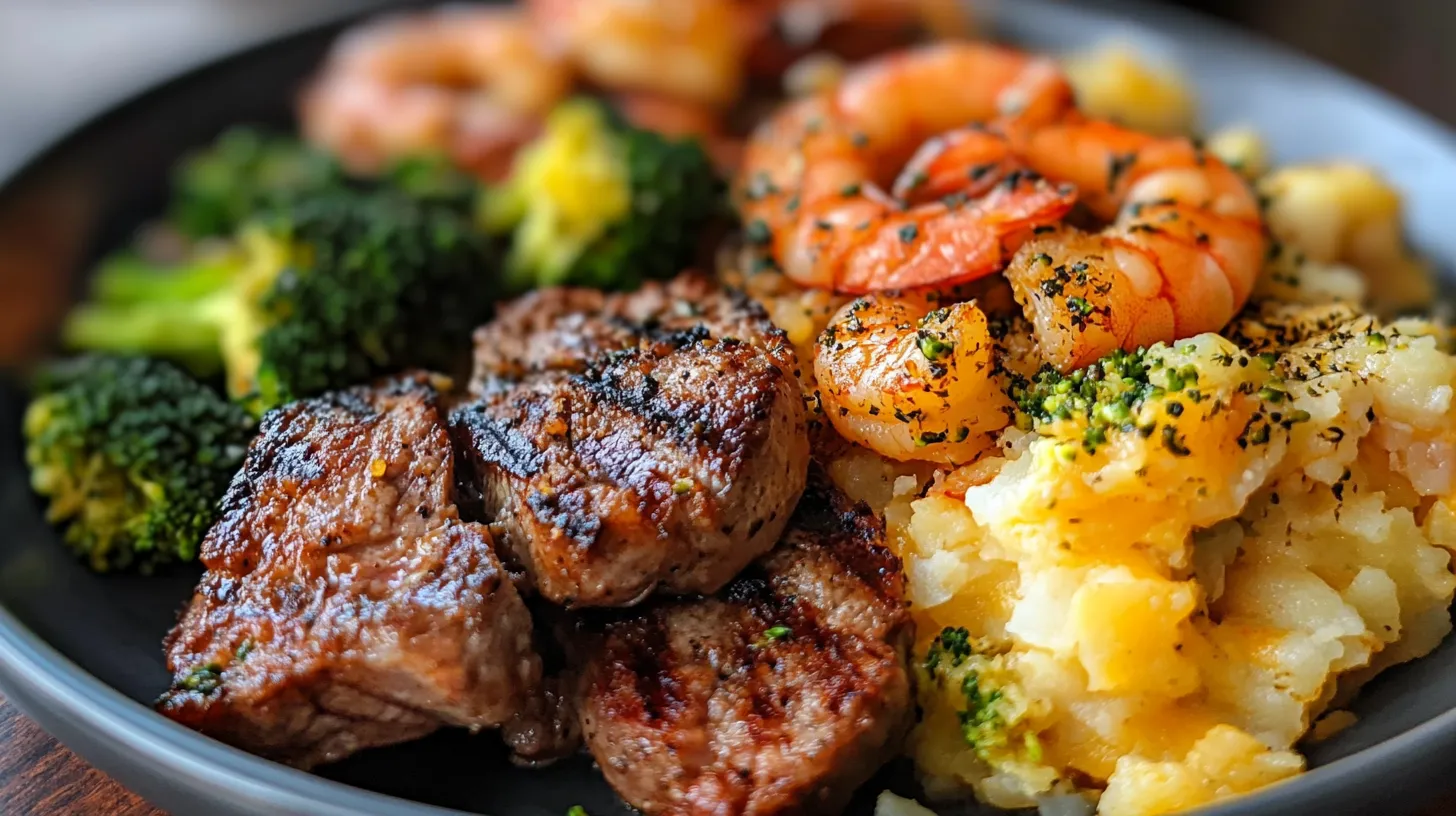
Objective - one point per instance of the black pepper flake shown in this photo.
(1118, 164)
(929, 438)
(1173, 442)
(757, 233)
(909, 233)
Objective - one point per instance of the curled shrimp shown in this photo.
(910, 376)
(469, 83)
(1185, 244)
(809, 189)
(692, 50)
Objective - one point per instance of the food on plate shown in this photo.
(133, 455)
(811, 192)
(216, 189)
(325, 291)
(1179, 558)
(1116, 81)
(469, 82)
(594, 202)
(346, 605)
(1180, 257)
(703, 51)
(911, 376)
(1344, 214)
(627, 444)
(789, 684)
(989, 422)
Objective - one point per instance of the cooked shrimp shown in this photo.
(1180, 257)
(471, 83)
(688, 49)
(911, 378)
(809, 192)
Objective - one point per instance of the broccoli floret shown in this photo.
(595, 202)
(332, 289)
(435, 179)
(133, 455)
(218, 188)
(982, 695)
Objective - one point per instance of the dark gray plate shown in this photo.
(81, 653)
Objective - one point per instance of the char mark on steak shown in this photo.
(345, 603)
(782, 693)
(625, 444)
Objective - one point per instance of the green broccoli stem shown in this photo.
(184, 331)
(127, 279)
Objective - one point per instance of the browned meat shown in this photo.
(781, 694)
(565, 329)
(656, 443)
(345, 604)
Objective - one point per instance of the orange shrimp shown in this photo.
(691, 50)
(1185, 246)
(1180, 257)
(911, 376)
(809, 189)
(471, 83)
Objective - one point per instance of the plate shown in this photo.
(81, 653)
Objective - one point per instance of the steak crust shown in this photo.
(346, 605)
(627, 444)
(782, 693)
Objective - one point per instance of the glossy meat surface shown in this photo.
(780, 694)
(634, 443)
(345, 604)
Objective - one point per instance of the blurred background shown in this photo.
(61, 60)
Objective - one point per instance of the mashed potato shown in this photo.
(1116, 82)
(1177, 560)
(1160, 610)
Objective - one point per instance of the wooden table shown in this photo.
(39, 776)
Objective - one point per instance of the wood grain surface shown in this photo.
(40, 777)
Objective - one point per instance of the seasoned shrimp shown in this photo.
(911, 377)
(471, 83)
(1180, 257)
(809, 193)
(689, 49)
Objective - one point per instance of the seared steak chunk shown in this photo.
(637, 447)
(782, 693)
(345, 604)
(565, 328)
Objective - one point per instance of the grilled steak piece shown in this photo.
(566, 329)
(654, 443)
(345, 604)
(782, 693)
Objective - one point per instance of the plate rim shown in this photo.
(53, 690)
